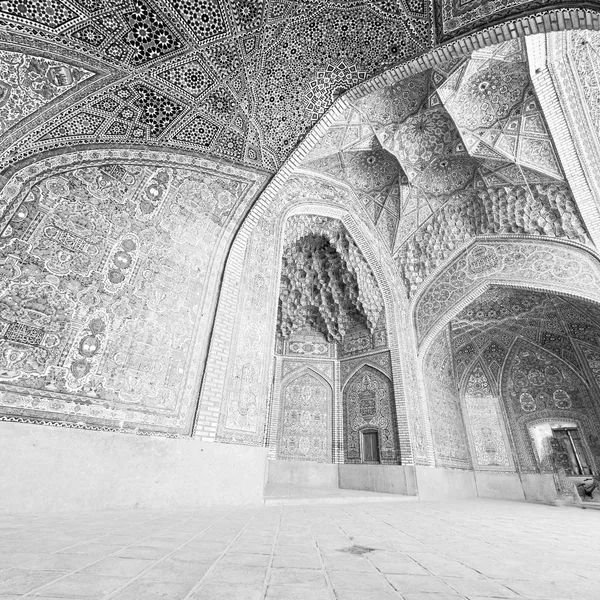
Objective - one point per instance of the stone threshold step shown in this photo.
(338, 500)
(290, 495)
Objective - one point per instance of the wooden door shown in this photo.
(370, 446)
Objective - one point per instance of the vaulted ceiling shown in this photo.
(242, 80)
(239, 79)
(488, 327)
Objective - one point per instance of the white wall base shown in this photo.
(389, 479)
(428, 483)
(435, 483)
(302, 473)
(506, 486)
(438, 483)
(539, 487)
(51, 469)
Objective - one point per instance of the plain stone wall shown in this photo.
(302, 474)
(506, 486)
(47, 469)
(389, 479)
(438, 484)
(539, 487)
(435, 483)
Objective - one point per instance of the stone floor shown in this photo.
(472, 549)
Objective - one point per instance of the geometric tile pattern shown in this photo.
(496, 111)
(500, 315)
(455, 18)
(239, 79)
(535, 351)
(271, 551)
(351, 152)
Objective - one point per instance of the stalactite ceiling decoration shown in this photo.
(326, 283)
(473, 156)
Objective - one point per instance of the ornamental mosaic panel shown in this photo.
(368, 401)
(490, 447)
(450, 440)
(310, 344)
(105, 271)
(537, 381)
(28, 83)
(241, 80)
(495, 108)
(249, 338)
(455, 18)
(583, 50)
(538, 385)
(553, 337)
(474, 156)
(528, 262)
(325, 368)
(380, 361)
(306, 421)
(487, 327)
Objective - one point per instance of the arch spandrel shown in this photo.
(527, 262)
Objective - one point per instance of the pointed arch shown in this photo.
(368, 404)
(306, 417)
(485, 421)
(537, 384)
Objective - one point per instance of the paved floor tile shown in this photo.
(82, 585)
(228, 592)
(119, 567)
(21, 581)
(298, 577)
(285, 592)
(544, 589)
(237, 574)
(421, 596)
(297, 562)
(400, 565)
(171, 569)
(253, 560)
(195, 556)
(406, 584)
(346, 580)
(342, 562)
(377, 594)
(480, 587)
(144, 552)
(144, 589)
(451, 550)
(60, 562)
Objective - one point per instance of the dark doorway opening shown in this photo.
(370, 446)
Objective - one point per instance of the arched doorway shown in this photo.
(370, 427)
(520, 370)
